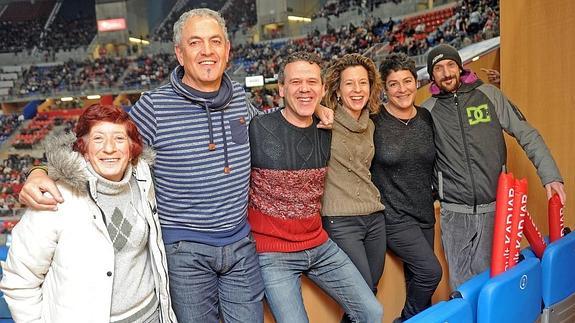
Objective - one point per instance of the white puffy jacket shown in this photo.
(60, 267)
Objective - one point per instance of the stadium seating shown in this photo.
(21, 24)
(373, 37)
(558, 280)
(471, 289)
(8, 124)
(5, 316)
(457, 310)
(27, 11)
(512, 297)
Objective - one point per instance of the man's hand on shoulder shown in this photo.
(325, 116)
(32, 193)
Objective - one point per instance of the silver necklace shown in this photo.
(403, 121)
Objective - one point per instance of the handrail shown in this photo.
(84, 91)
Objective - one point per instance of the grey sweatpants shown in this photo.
(466, 242)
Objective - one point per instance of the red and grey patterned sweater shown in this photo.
(289, 165)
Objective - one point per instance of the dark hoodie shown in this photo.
(471, 150)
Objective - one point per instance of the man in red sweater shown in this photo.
(289, 164)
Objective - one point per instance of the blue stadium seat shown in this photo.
(528, 253)
(558, 280)
(470, 290)
(456, 310)
(3, 253)
(5, 316)
(513, 296)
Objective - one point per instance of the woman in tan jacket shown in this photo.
(352, 211)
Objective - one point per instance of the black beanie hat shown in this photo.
(439, 53)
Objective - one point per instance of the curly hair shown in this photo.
(333, 79)
(396, 62)
(300, 56)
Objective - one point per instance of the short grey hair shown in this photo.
(200, 12)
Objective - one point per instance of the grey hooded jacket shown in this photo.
(471, 150)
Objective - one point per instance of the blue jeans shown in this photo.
(207, 280)
(327, 266)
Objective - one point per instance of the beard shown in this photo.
(451, 87)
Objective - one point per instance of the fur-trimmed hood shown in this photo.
(70, 167)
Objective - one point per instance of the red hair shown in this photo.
(107, 113)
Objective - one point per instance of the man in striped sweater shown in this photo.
(289, 164)
(198, 125)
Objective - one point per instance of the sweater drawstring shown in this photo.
(227, 168)
(212, 145)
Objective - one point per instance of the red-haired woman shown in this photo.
(100, 257)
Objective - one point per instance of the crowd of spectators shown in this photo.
(144, 71)
(21, 24)
(30, 136)
(12, 177)
(470, 21)
(476, 20)
(13, 168)
(240, 15)
(8, 124)
(47, 79)
(266, 58)
(337, 7)
(19, 36)
(165, 32)
(66, 35)
(148, 71)
(103, 72)
(63, 106)
(20, 32)
(265, 98)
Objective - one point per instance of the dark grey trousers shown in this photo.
(363, 239)
(414, 246)
(466, 242)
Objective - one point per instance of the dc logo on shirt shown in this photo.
(479, 114)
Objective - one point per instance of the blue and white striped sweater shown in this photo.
(197, 200)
